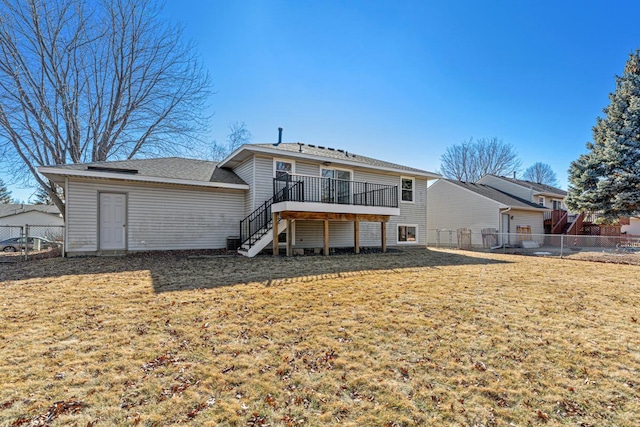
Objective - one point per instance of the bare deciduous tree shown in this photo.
(541, 173)
(470, 160)
(90, 81)
(239, 135)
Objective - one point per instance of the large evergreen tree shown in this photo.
(5, 194)
(607, 177)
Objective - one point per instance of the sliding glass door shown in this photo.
(336, 186)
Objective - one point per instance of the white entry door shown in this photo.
(113, 208)
(505, 230)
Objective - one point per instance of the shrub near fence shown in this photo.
(540, 244)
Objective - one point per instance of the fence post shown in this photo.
(561, 244)
(26, 242)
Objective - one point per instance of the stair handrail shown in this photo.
(258, 220)
(559, 226)
(261, 220)
(576, 226)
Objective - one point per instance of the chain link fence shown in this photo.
(524, 242)
(31, 242)
(10, 231)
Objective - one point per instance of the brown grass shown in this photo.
(417, 338)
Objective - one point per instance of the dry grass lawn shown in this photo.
(398, 339)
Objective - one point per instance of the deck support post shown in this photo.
(276, 250)
(289, 238)
(356, 236)
(383, 236)
(325, 238)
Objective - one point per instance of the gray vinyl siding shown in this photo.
(304, 168)
(309, 234)
(410, 213)
(245, 171)
(263, 176)
(82, 217)
(452, 207)
(158, 217)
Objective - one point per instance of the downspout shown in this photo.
(504, 232)
(66, 215)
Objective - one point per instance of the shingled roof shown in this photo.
(18, 208)
(166, 167)
(497, 195)
(536, 186)
(338, 155)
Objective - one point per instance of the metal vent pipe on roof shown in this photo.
(279, 137)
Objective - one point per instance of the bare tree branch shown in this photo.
(470, 160)
(90, 81)
(238, 135)
(541, 173)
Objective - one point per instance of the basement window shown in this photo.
(407, 233)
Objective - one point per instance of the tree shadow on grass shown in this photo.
(177, 271)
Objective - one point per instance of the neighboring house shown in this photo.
(630, 225)
(455, 205)
(320, 197)
(20, 215)
(558, 219)
(541, 194)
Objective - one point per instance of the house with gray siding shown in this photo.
(505, 219)
(289, 197)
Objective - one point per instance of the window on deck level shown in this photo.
(282, 168)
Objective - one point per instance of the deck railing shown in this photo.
(258, 222)
(305, 188)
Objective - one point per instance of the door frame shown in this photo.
(506, 238)
(333, 189)
(126, 220)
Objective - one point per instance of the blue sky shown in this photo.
(403, 80)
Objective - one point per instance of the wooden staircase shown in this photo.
(562, 222)
(258, 242)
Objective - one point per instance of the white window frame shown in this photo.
(276, 160)
(331, 167)
(400, 242)
(541, 200)
(413, 189)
